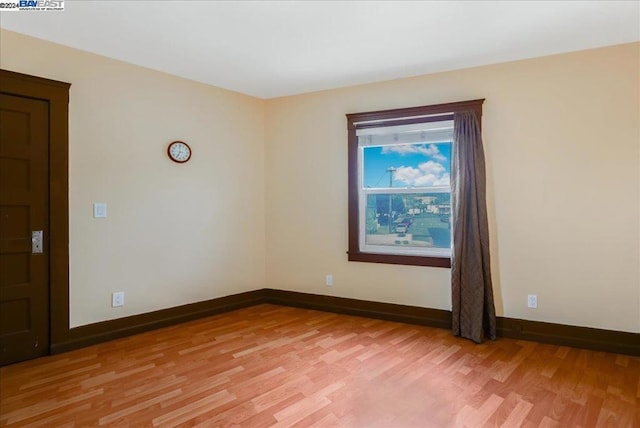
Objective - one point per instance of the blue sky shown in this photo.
(417, 165)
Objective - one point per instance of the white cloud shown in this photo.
(408, 149)
(407, 174)
(427, 174)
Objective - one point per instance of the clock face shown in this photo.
(179, 151)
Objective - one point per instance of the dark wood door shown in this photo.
(24, 201)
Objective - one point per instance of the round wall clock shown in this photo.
(179, 151)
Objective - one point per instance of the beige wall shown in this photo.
(562, 140)
(175, 234)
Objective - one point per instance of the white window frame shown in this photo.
(437, 132)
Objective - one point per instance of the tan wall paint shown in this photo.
(175, 234)
(561, 132)
(562, 140)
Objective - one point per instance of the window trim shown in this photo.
(381, 118)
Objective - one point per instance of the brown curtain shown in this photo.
(474, 314)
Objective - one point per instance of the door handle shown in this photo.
(36, 242)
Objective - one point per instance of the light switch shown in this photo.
(99, 210)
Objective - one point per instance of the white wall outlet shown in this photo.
(328, 280)
(99, 210)
(117, 299)
(532, 301)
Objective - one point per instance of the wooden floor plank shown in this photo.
(271, 365)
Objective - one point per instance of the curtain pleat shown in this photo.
(471, 288)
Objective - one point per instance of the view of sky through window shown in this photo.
(416, 165)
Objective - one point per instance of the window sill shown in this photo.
(444, 262)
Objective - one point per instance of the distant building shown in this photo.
(444, 209)
(439, 209)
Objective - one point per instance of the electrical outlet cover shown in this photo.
(117, 299)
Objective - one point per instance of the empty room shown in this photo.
(320, 213)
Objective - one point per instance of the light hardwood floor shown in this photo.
(272, 365)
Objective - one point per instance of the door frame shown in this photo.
(57, 95)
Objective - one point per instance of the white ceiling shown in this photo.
(275, 48)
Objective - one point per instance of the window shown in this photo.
(399, 184)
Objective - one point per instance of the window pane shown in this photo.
(408, 220)
(407, 165)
